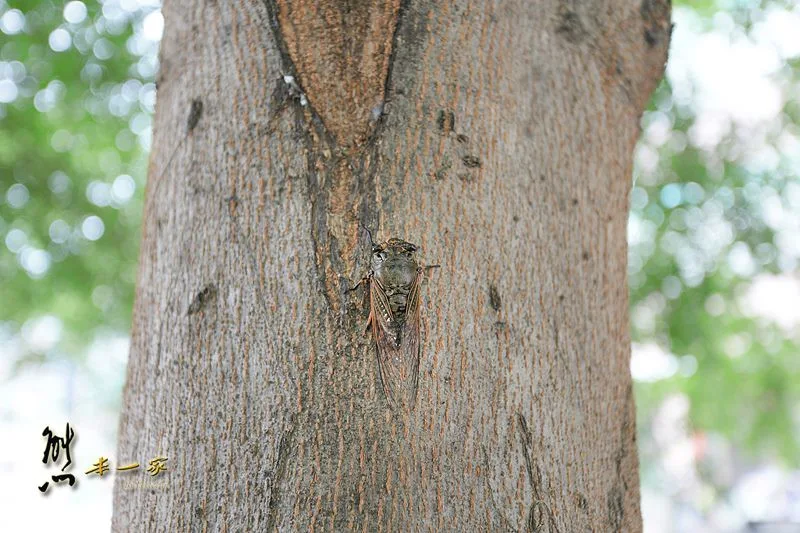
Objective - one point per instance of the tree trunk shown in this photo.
(498, 136)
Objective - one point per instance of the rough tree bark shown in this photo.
(496, 135)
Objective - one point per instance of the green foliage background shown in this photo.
(705, 209)
(80, 120)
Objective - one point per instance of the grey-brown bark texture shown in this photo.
(496, 135)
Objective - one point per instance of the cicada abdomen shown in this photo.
(394, 291)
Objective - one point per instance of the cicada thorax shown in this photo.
(398, 304)
(397, 293)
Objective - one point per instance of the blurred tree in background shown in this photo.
(76, 97)
(714, 229)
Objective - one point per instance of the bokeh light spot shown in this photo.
(35, 261)
(59, 231)
(123, 188)
(92, 228)
(16, 240)
(8, 91)
(60, 40)
(12, 22)
(17, 196)
(153, 26)
(75, 12)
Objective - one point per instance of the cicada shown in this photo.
(394, 283)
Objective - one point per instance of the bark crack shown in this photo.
(277, 474)
(539, 509)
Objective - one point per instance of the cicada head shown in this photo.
(394, 262)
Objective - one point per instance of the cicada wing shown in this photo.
(398, 345)
(411, 331)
